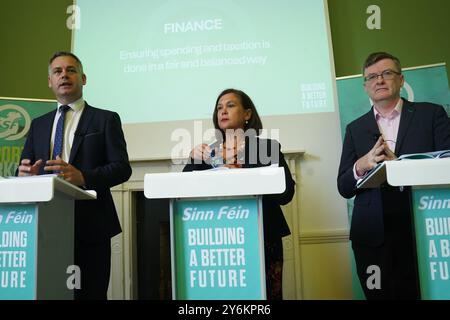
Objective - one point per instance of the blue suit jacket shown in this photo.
(99, 152)
(423, 127)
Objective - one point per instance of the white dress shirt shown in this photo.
(71, 121)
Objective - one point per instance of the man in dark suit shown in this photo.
(91, 154)
(381, 226)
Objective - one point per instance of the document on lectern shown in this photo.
(374, 177)
(377, 175)
(426, 155)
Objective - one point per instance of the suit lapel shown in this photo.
(405, 121)
(82, 128)
(372, 131)
(47, 127)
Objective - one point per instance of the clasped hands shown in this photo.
(380, 152)
(63, 169)
(229, 154)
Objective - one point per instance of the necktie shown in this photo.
(59, 134)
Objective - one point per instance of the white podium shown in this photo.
(430, 182)
(37, 236)
(423, 172)
(216, 228)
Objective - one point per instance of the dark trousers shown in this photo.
(94, 261)
(396, 257)
(273, 253)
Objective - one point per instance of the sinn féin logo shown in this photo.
(14, 122)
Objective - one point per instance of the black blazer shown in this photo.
(99, 152)
(275, 225)
(423, 127)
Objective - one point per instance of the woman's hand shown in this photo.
(201, 152)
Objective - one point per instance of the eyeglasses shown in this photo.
(386, 75)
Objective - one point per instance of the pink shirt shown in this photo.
(388, 126)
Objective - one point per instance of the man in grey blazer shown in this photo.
(381, 227)
(92, 155)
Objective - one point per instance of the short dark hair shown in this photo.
(65, 54)
(254, 122)
(378, 56)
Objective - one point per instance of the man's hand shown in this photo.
(66, 171)
(26, 169)
(388, 152)
(375, 155)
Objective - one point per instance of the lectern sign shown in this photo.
(17, 252)
(218, 249)
(432, 222)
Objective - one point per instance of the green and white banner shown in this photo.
(15, 120)
(18, 252)
(218, 251)
(432, 224)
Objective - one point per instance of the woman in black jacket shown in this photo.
(238, 125)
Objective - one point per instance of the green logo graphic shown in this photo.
(14, 122)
